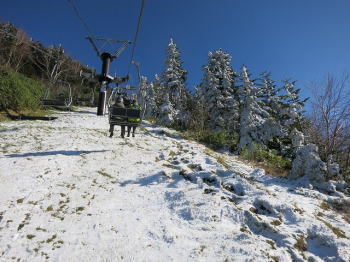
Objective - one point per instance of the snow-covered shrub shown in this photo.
(307, 163)
(166, 112)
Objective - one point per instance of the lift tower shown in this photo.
(104, 78)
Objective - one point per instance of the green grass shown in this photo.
(272, 163)
(214, 140)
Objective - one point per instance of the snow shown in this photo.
(68, 192)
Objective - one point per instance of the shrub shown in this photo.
(268, 158)
(215, 140)
(18, 92)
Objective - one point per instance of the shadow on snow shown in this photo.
(58, 152)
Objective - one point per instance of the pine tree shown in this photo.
(293, 105)
(218, 93)
(269, 95)
(256, 124)
(146, 98)
(173, 80)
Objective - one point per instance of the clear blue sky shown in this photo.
(301, 39)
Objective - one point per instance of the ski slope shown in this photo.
(68, 192)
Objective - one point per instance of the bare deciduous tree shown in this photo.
(52, 62)
(330, 116)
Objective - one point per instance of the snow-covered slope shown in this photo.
(68, 192)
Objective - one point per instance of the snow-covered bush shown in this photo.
(166, 112)
(307, 163)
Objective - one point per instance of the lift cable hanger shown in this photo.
(98, 51)
(136, 34)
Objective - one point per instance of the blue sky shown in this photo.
(301, 39)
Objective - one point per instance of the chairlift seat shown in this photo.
(120, 116)
(55, 102)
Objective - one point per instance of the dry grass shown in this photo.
(324, 205)
(338, 232)
(301, 243)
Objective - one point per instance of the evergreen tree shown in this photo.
(173, 80)
(146, 97)
(256, 124)
(293, 106)
(218, 94)
(268, 95)
(174, 76)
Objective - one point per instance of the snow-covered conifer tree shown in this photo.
(256, 124)
(268, 95)
(146, 97)
(293, 105)
(218, 93)
(173, 80)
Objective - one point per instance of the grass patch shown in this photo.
(20, 201)
(269, 161)
(338, 232)
(41, 229)
(276, 222)
(172, 154)
(347, 218)
(30, 236)
(214, 140)
(103, 173)
(299, 210)
(324, 205)
(271, 243)
(79, 209)
(51, 238)
(301, 243)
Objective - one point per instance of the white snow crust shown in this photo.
(68, 192)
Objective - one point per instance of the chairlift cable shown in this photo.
(87, 28)
(136, 34)
(76, 11)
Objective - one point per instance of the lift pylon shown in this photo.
(104, 78)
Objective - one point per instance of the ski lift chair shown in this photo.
(122, 116)
(62, 100)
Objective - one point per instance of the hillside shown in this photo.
(68, 192)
